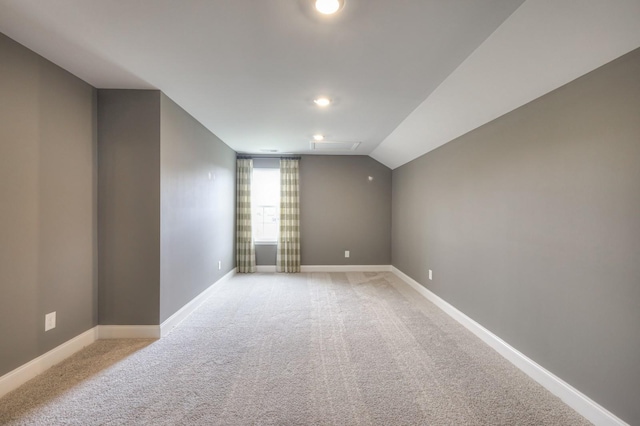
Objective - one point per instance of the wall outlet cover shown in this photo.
(50, 321)
(346, 253)
(430, 274)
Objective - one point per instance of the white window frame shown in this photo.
(256, 181)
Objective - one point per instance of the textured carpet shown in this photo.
(305, 349)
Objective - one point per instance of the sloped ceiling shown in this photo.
(542, 46)
(405, 76)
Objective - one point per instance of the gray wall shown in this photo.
(266, 254)
(340, 209)
(129, 206)
(197, 211)
(531, 225)
(48, 209)
(163, 224)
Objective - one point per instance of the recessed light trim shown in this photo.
(328, 7)
(322, 102)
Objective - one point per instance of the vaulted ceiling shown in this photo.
(404, 76)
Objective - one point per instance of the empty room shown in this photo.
(315, 212)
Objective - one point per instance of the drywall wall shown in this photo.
(48, 210)
(341, 209)
(531, 227)
(197, 208)
(166, 207)
(266, 254)
(129, 206)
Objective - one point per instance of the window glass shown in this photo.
(265, 204)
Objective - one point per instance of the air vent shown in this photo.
(333, 146)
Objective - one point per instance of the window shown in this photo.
(265, 203)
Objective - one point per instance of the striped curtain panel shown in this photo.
(245, 252)
(288, 257)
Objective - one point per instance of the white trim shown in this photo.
(330, 268)
(345, 268)
(588, 408)
(175, 319)
(128, 331)
(28, 371)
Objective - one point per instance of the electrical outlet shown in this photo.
(430, 274)
(219, 264)
(346, 253)
(49, 321)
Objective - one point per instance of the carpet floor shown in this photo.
(352, 348)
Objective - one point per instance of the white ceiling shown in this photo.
(406, 76)
(542, 46)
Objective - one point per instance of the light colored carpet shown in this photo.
(300, 349)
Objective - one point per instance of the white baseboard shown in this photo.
(175, 319)
(13, 379)
(330, 268)
(345, 268)
(128, 331)
(588, 408)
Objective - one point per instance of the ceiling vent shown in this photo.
(333, 146)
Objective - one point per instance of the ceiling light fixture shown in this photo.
(318, 137)
(328, 7)
(322, 102)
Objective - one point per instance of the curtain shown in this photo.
(245, 252)
(288, 256)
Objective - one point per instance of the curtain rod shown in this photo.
(286, 157)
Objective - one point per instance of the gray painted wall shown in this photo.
(531, 225)
(197, 211)
(340, 209)
(48, 209)
(129, 206)
(266, 254)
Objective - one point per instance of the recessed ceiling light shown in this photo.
(322, 102)
(318, 138)
(328, 7)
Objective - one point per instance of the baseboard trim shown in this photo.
(175, 319)
(15, 378)
(128, 331)
(345, 268)
(330, 268)
(588, 408)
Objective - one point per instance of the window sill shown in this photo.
(265, 243)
